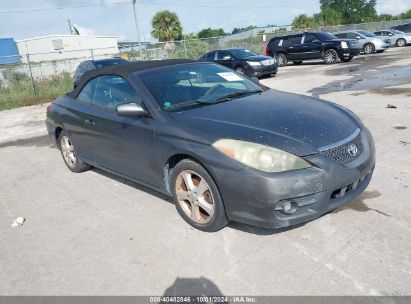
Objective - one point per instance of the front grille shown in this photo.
(343, 154)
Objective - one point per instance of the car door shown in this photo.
(121, 144)
(224, 58)
(295, 48)
(312, 47)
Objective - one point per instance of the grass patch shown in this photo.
(19, 90)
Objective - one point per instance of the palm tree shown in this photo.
(166, 26)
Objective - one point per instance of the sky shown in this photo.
(115, 17)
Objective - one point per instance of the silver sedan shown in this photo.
(397, 38)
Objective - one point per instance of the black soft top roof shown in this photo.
(123, 70)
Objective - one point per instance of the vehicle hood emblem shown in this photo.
(352, 150)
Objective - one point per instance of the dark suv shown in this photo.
(406, 27)
(312, 45)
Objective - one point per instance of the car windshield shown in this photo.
(397, 32)
(326, 36)
(242, 53)
(366, 34)
(106, 62)
(193, 84)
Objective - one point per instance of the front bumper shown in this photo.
(382, 46)
(252, 197)
(259, 71)
(350, 52)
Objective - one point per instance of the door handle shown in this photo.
(89, 122)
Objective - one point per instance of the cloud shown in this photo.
(393, 8)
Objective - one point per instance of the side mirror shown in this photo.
(358, 37)
(255, 80)
(131, 110)
(226, 58)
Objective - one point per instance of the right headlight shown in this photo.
(260, 157)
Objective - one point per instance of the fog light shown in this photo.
(289, 207)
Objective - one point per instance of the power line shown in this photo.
(104, 4)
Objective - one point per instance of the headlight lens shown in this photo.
(344, 45)
(260, 157)
(254, 63)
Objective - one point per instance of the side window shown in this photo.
(310, 38)
(222, 55)
(114, 90)
(380, 33)
(285, 42)
(340, 35)
(352, 35)
(88, 92)
(210, 56)
(296, 39)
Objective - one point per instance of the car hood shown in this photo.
(258, 58)
(298, 124)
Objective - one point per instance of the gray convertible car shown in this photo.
(224, 147)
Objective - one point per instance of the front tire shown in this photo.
(369, 48)
(281, 59)
(69, 154)
(401, 42)
(330, 56)
(196, 196)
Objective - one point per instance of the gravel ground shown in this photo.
(94, 233)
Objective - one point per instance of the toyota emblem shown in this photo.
(352, 150)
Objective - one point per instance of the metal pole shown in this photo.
(185, 49)
(70, 28)
(138, 32)
(31, 76)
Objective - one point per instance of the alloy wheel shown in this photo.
(401, 42)
(330, 56)
(195, 197)
(368, 49)
(281, 60)
(67, 149)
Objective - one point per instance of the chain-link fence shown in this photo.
(41, 77)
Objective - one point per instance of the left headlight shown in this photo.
(254, 63)
(260, 157)
(344, 45)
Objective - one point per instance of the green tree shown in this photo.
(209, 32)
(303, 22)
(406, 15)
(352, 11)
(328, 17)
(166, 26)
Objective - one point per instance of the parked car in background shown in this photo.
(368, 42)
(397, 38)
(311, 45)
(222, 146)
(406, 28)
(243, 61)
(94, 64)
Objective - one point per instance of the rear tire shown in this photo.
(401, 42)
(330, 56)
(368, 48)
(196, 196)
(69, 154)
(281, 59)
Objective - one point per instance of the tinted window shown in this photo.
(379, 33)
(326, 36)
(210, 56)
(274, 42)
(88, 91)
(242, 53)
(310, 38)
(353, 35)
(341, 35)
(107, 62)
(295, 39)
(112, 91)
(366, 34)
(221, 55)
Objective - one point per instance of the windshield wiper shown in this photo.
(230, 96)
(186, 104)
